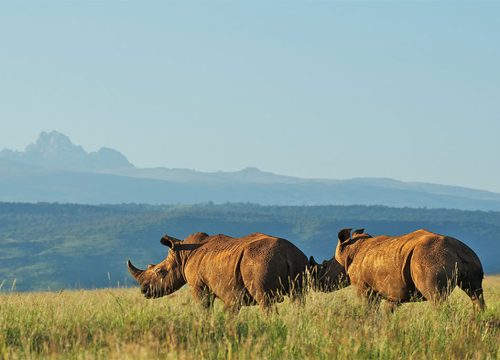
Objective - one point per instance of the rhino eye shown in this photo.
(160, 272)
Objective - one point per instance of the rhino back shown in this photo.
(399, 267)
(215, 261)
(272, 264)
(228, 264)
(446, 257)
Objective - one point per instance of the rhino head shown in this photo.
(164, 278)
(327, 276)
(345, 240)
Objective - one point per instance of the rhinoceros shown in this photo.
(327, 276)
(417, 266)
(255, 269)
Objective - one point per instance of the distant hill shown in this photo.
(58, 246)
(53, 169)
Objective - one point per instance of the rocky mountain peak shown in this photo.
(56, 150)
(54, 145)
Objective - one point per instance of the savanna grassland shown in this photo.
(120, 323)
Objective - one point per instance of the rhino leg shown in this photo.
(371, 297)
(204, 296)
(435, 289)
(477, 299)
(475, 291)
(268, 304)
(236, 298)
(298, 298)
(470, 280)
(256, 290)
(233, 307)
(374, 300)
(391, 306)
(265, 299)
(433, 280)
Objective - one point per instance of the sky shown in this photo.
(315, 89)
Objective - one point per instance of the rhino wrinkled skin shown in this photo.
(417, 266)
(255, 269)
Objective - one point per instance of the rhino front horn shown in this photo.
(133, 270)
(312, 262)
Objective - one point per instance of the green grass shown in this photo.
(120, 323)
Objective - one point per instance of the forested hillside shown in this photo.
(57, 246)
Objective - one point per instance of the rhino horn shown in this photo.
(312, 262)
(133, 270)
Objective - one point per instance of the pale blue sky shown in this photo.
(408, 90)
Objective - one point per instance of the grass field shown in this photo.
(121, 324)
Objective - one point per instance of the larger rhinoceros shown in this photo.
(417, 266)
(255, 269)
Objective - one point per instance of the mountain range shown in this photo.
(53, 169)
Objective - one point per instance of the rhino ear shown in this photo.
(358, 231)
(312, 262)
(344, 235)
(169, 241)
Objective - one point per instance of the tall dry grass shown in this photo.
(120, 323)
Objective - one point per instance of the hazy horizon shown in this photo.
(309, 89)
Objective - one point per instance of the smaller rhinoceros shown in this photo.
(255, 269)
(417, 266)
(327, 276)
